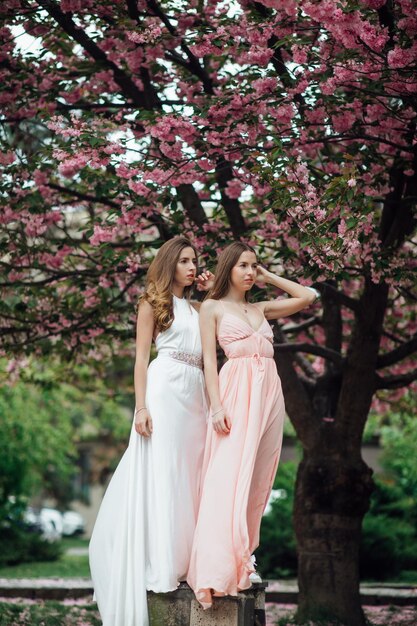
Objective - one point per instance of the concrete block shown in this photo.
(180, 608)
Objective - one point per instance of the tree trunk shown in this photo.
(333, 483)
(332, 496)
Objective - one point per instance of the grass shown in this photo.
(65, 567)
(407, 576)
(49, 614)
(74, 542)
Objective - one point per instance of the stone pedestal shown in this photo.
(180, 608)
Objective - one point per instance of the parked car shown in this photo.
(52, 524)
(73, 524)
(47, 521)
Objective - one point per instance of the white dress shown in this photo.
(144, 530)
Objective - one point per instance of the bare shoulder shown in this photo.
(262, 305)
(210, 305)
(210, 308)
(145, 310)
(145, 324)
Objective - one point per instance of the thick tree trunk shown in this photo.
(333, 483)
(332, 496)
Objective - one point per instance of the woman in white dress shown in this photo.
(143, 534)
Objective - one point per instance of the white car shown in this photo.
(48, 521)
(73, 523)
(53, 524)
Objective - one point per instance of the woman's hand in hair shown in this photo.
(204, 281)
(263, 276)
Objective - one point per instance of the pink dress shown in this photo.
(239, 468)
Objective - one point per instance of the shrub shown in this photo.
(389, 535)
(276, 554)
(18, 544)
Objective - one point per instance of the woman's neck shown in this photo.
(178, 291)
(235, 295)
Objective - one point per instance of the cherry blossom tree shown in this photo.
(290, 124)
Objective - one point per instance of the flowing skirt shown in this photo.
(143, 534)
(238, 473)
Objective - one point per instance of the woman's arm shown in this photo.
(301, 297)
(208, 321)
(144, 333)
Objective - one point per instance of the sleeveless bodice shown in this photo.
(239, 339)
(184, 332)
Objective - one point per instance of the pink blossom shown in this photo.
(70, 167)
(101, 235)
(7, 158)
(36, 226)
(257, 56)
(138, 188)
(71, 6)
(150, 34)
(299, 54)
(263, 86)
(400, 57)
(234, 188)
(205, 165)
(284, 113)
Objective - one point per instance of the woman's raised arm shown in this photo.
(301, 297)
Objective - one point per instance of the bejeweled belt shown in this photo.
(189, 358)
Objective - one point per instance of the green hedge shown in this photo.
(389, 538)
(20, 545)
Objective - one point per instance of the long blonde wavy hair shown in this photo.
(160, 278)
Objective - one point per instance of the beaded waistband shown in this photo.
(195, 360)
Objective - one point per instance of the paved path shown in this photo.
(279, 592)
(371, 593)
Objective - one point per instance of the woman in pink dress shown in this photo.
(247, 414)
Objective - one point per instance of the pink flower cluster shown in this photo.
(152, 32)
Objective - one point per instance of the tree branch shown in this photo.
(193, 64)
(191, 202)
(290, 328)
(399, 353)
(332, 322)
(327, 288)
(297, 400)
(307, 368)
(326, 353)
(224, 174)
(155, 218)
(395, 382)
(141, 98)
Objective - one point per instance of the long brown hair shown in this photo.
(160, 278)
(227, 260)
